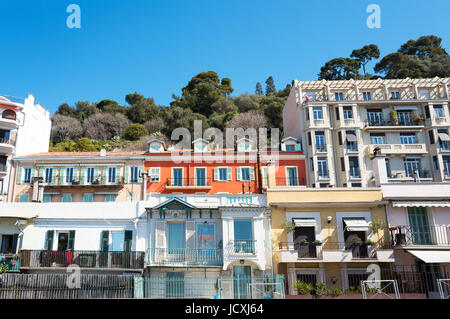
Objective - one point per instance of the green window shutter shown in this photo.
(216, 173)
(126, 174)
(47, 198)
(128, 240)
(96, 169)
(62, 174)
(49, 240)
(41, 172)
(118, 174)
(71, 241)
(88, 197)
(105, 240)
(229, 174)
(75, 174)
(104, 174)
(252, 173)
(67, 197)
(33, 173)
(83, 176)
(19, 175)
(24, 198)
(238, 174)
(140, 170)
(298, 147)
(110, 198)
(54, 172)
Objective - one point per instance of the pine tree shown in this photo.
(259, 90)
(270, 86)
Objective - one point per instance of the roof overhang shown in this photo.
(424, 203)
(328, 204)
(431, 256)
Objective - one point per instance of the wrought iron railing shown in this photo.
(82, 258)
(420, 235)
(290, 181)
(84, 181)
(408, 122)
(241, 247)
(187, 182)
(185, 256)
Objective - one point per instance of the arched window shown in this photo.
(9, 114)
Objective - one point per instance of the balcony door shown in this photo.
(177, 177)
(200, 176)
(305, 249)
(242, 277)
(419, 226)
(410, 166)
(292, 179)
(243, 236)
(176, 241)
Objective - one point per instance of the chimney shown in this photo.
(379, 167)
(103, 152)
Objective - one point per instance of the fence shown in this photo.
(54, 286)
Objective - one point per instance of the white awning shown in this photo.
(356, 224)
(405, 108)
(432, 256)
(305, 222)
(425, 203)
(18, 214)
(444, 137)
(351, 137)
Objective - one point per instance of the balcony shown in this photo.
(95, 181)
(185, 257)
(289, 181)
(6, 145)
(354, 172)
(321, 148)
(408, 176)
(241, 247)
(12, 261)
(368, 124)
(323, 174)
(303, 250)
(399, 148)
(9, 122)
(84, 259)
(188, 183)
(420, 236)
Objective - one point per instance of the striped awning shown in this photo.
(305, 222)
(444, 137)
(356, 224)
(425, 203)
(351, 137)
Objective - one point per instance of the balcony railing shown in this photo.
(6, 140)
(304, 250)
(308, 250)
(420, 235)
(241, 247)
(290, 181)
(10, 260)
(186, 257)
(399, 148)
(85, 181)
(406, 122)
(188, 182)
(84, 259)
(354, 172)
(321, 147)
(323, 173)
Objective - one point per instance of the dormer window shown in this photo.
(290, 144)
(156, 146)
(200, 145)
(244, 145)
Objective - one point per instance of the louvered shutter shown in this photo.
(251, 173)
(62, 174)
(118, 174)
(105, 240)
(229, 174)
(83, 176)
(190, 234)
(140, 170)
(160, 235)
(19, 175)
(126, 174)
(298, 147)
(54, 172)
(128, 240)
(71, 241)
(216, 173)
(49, 240)
(238, 174)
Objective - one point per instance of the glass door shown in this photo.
(419, 227)
(177, 177)
(177, 240)
(200, 177)
(241, 280)
(243, 236)
(292, 176)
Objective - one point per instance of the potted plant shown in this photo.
(356, 241)
(418, 118)
(394, 117)
(289, 227)
(303, 242)
(303, 288)
(370, 242)
(392, 228)
(317, 243)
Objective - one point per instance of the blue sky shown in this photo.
(155, 47)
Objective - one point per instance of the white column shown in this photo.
(357, 92)
(386, 92)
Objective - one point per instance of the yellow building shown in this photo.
(327, 235)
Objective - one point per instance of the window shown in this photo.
(111, 175)
(66, 197)
(410, 166)
(48, 175)
(446, 164)
(222, 174)
(435, 163)
(307, 113)
(291, 175)
(24, 198)
(395, 95)
(311, 164)
(110, 198)
(320, 141)
(375, 116)
(69, 175)
(177, 177)
(339, 96)
(89, 175)
(27, 175)
(205, 237)
(88, 197)
(47, 198)
(8, 244)
(356, 184)
(351, 141)
(354, 167)
(342, 164)
(155, 147)
(444, 139)
(424, 94)
(243, 236)
(427, 111)
(348, 112)
(405, 117)
(322, 167)
(340, 138)
(244, 173)
(155, 174)
(176, 238)
(388, 168)
(311, 96)
(337, 114)
(118, 239)
(408, 138)
(134, 174)
(377, 138)
(438, 111)
(324, 185)
(290, 148)
(317, 112)
(367, 96)
(431, 136)
(200, 176)
(309, 138)
(9, 114)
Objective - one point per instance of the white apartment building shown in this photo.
(24, 129)
(340, 123)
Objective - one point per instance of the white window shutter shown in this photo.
(264, 176)
(238, 173)
(283, 147)
(229, 174)
(216, 173)
(252, 173)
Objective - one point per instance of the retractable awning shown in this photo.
(444, 137)
(351, 137)
(432, 256)
(405, 108)
(305, 222)
(425, 203)
(356, 224)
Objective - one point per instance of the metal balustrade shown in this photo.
(85, 180)
(189, 182)
(290, 181)
(185, 256)
(82, 258)
(241, 247)
(420, 235)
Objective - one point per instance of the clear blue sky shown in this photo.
(155, 47)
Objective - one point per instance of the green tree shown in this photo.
(66, 110)
(85, 109)
(135, 131)
(85, 144)
(365, 54)
(110, 106)
(142, 109)
(272, 107)
(65, 146)
(175, 116)
(258, 89)
(270, 86)
(340, 69)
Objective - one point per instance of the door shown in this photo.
(430, 274)
(241, 279)
(63, 240)
(243, 236)
(305, 249)
(175, 285)
(176, 242)
(292, 176)
(200, 177)
(419, 227)
(177, 177)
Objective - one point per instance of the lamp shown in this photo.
(241, 261)
(334, 279)
(329, 219)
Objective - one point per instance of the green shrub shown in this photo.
(320, 289)
(303, 288)
(135, 132)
